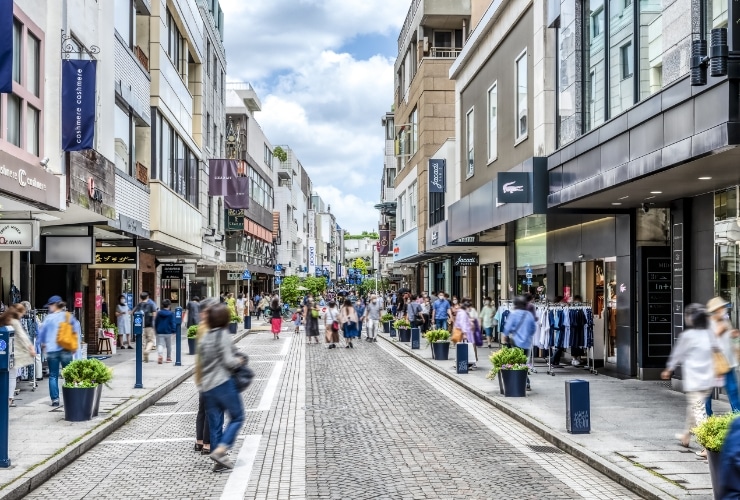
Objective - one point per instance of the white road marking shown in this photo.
(142, 441)
(238, 480)
(286, 347)
(168, 414)
(271, 388)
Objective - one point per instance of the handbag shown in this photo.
(721, 365)
(242, 375)
(457, 335)
(314, 313)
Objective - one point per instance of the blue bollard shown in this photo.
(415, 338)
(7, 363)
(178, 336)
(462, 357)
(577, 407)
(138, 334)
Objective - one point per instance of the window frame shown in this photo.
(130, 37)
(626, 60)
(492, 131)
(130, 139)
(518, 135)
(470, 142)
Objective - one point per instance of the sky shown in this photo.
(323, 70)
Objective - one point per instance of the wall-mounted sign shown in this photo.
(234, 220)
(115, 258)
(28, 182)
(437, 176)
(513, 187)
(466, 260)
(19, 235)
(233, 276)
(311, 257)
(189, 268)
(170, 272)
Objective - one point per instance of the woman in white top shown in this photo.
(240, 305)
(726, 338)
(331, 323)
(693, 352)
(123, 322)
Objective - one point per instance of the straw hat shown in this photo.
(716, 304)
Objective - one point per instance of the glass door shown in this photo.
(610, 302)
(726, 250)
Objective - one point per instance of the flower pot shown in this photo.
(404, 334)
(392, 330)
(232, 327)
(78, 403)
(387, 327)
(440, 351)
(191, 346)
(514, 382)
(713, 458)
(96, 404)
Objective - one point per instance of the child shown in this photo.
(297, 319)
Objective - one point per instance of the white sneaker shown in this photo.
(575, 362)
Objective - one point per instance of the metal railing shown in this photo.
(239, 86)
(407, 23)
(143, 59)
(445, 52)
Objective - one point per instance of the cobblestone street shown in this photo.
(367, 422)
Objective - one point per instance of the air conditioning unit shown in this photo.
(425, 45)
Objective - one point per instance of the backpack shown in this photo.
(66, 337)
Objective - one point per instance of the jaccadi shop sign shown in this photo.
(19, 235)
(465, 260)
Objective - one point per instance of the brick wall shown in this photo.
(132, 200)
(87, 164)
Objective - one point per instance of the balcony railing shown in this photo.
(143, 59)
(445, 52)
(407, 23)
(142, 174)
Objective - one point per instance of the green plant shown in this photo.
(401, 324)
(386, 317)
(235, 317)
(280, 154)
(86, 373)
(712, 431)
(508, 358)
(192, 331)
(437, 336)
(107, 324)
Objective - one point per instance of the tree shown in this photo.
(360, 264)
(315, 285)
(368, 287)
(289, 290)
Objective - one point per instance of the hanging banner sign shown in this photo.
(240, 200)
(6, 46)
(384, 243)
(222, 177)
(437, 176)
(78, 104)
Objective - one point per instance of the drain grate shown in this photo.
(545, 449)
(165, 403)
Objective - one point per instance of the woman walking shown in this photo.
(726, 336)
(202, 429)
(216, 361)
(123, 322)
(350, 322)
(276, 319)
(693, 352)
(311, 320)
(164, 327)
(331, 325)
(486, 316)
(360, 310)
(25, 354)
(263, 304)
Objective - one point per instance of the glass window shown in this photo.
(521, 92)
(32, 130)
(165, 165)
(594, 65)
(208, 130)
(470, 141)
(33, 61)
(123, 14)
(412, 204)
(414, 132)
(122, 141)
(14, 120)
(621, 63)
(17, 49)
(402, 213)
(443, 39)
(390, 131)
(492, 122)
(208, 57)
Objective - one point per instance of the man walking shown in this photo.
(372, 316)
(440, 311)
(57, 356)
(145, 307)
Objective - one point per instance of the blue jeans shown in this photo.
(219, 400)
(732, 393)
(441, 324)
(56, 360)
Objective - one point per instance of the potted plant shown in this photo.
(404, 329)
(110, 330)
(711, 434)
(440, 342)
(387, 319)
(192, 333)
(510, 364)
(83, 384)
(234, 324)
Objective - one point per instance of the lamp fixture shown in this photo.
(704, 178)
(210, 232)
(716, 60)
(616, 204)
(220, 239)
(656, 192)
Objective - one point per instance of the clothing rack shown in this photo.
(563, 329)
(30, 321)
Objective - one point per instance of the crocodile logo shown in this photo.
(511, 187)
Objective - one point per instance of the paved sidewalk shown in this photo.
(42, 442)
(632, 423)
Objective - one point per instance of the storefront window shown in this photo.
(727, 252)
(621, 59)
(594, 64)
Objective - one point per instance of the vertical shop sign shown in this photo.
(222, 175)
(78, 104)
(384, 242)
(677, 252)
(239, 200)
(437, 176)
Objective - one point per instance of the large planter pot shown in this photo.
(404, 334)
(514, 383)
(78, 403)
(440, 351)
(191, 346)
(714, 463)
(96, 404)
(387, 327)
(233, 327)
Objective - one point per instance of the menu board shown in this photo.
(677, 263)
(655, 306)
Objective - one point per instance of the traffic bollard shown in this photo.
(138, 334)
(461, 357)
(7, 364)
(415, 338)
(178, 336)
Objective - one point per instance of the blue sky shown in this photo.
(324, 72)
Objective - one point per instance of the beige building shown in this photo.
(431, 38)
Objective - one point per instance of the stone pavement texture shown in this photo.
(360, 423)
(633, 422)
(41, 441)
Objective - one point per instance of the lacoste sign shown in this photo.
(513, 187)
(465, 260)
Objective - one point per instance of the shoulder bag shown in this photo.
(242, 375)
(721, 365)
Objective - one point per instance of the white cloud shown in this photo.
(351, 212)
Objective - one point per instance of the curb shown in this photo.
(586, 456)
(36, 477)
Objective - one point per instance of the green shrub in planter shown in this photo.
(386, 317)
(86, 373)
(711, 433)
(433, 336)
(508, 358)
(192, 331)
(401, 324)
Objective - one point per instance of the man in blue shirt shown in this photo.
(56, 356)
(440, 311)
